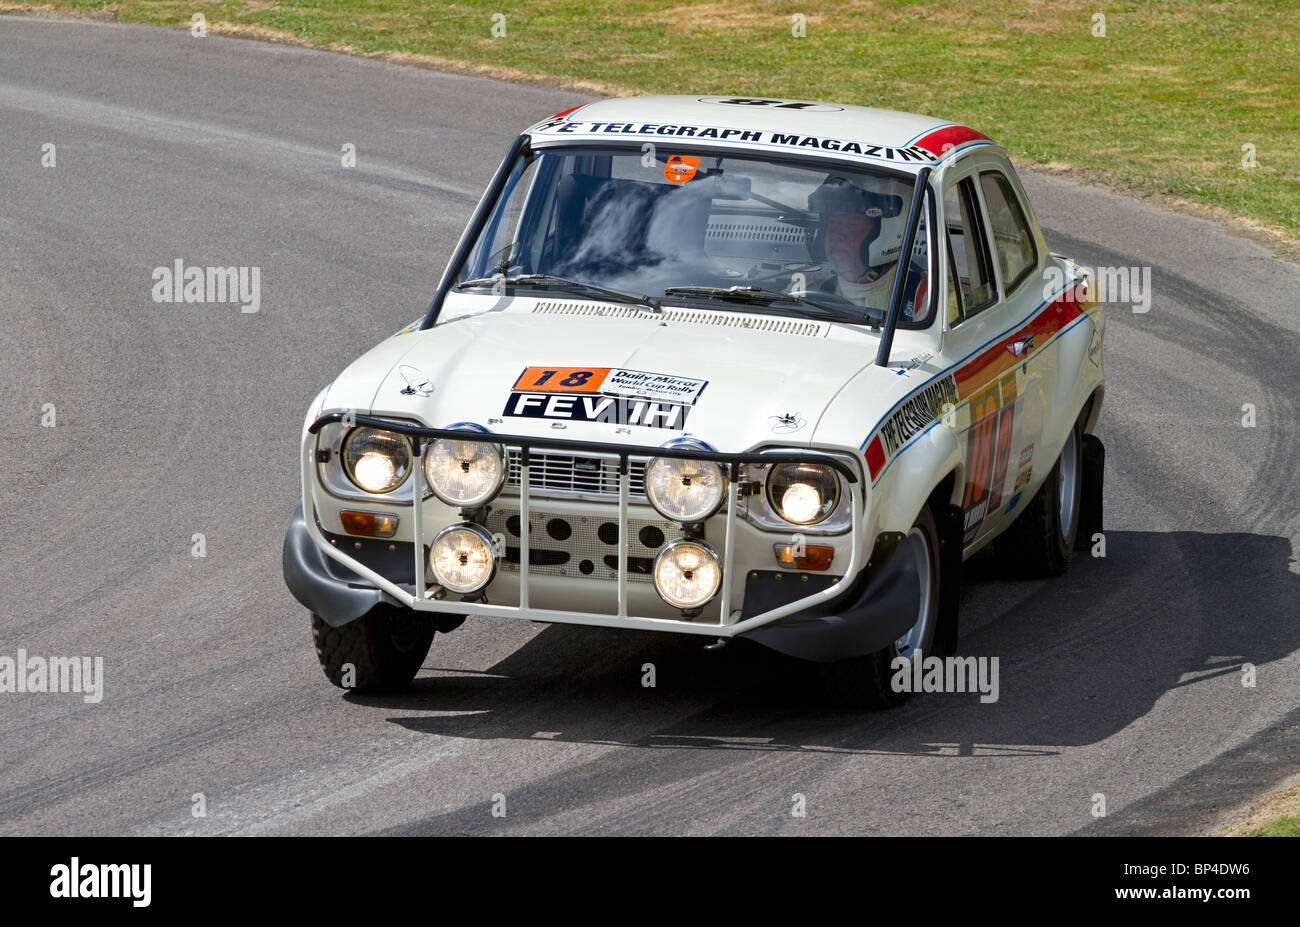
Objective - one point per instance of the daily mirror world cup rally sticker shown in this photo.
(604, 394)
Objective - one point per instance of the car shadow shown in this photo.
(1080, 657)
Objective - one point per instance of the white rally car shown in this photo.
(729, 367)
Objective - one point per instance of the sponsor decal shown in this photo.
(908, 154)
(680, 168)
(1003, 453)
(988, 449)
(1022, 479)
(787, 422)
(916, 413)
(802, 106)
(1011, 506)
(417, 384)
(905, 369)
(1025, 456)
(604, 394)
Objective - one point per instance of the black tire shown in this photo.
(385, 649)
(1037, 545)
(864, 682)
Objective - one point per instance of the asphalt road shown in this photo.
(1122, 679)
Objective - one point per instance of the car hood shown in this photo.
(742, 380)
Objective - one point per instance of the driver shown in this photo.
(861, 234)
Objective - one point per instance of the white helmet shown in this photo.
(879, 198)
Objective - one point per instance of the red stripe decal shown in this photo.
(1006, 354)
(875, 456)
(941, 141)
(1002, 356)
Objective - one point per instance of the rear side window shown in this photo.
(1013, 242)
(954, 304)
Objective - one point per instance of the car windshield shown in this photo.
(736, 232)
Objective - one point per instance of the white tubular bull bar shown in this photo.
(421, 597)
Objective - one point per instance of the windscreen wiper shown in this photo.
(549, 280)
(761, 295)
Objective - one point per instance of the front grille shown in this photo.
(566, 474)
(581, 546)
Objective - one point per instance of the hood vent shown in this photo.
(763, 323)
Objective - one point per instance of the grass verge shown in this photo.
(1276, 814)
(1282, 827)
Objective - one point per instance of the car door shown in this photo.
(990, 334)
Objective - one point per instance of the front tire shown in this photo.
(865, 682)
(380, 652)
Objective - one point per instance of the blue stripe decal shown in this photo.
(973, 143)
(942, 125)
(964, 402)
(1000, 335)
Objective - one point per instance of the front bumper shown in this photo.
(858, 612)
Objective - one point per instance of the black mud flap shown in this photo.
(329, 589)
(1093, 454)
(949, 520)
(879, 605)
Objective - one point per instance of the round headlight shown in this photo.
(464, 473)
(377, 461)
(684, 490)
(687, 573)
(803, 494)
(462, 559)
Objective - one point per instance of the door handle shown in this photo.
(1021, 345)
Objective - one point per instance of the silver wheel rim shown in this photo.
(917, 547)
(1069, 475)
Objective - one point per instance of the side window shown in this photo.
(954, 302)
(495, 251)
(969, 251)
(916, 288)
(1012, 238)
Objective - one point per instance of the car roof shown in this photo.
(903, 141)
